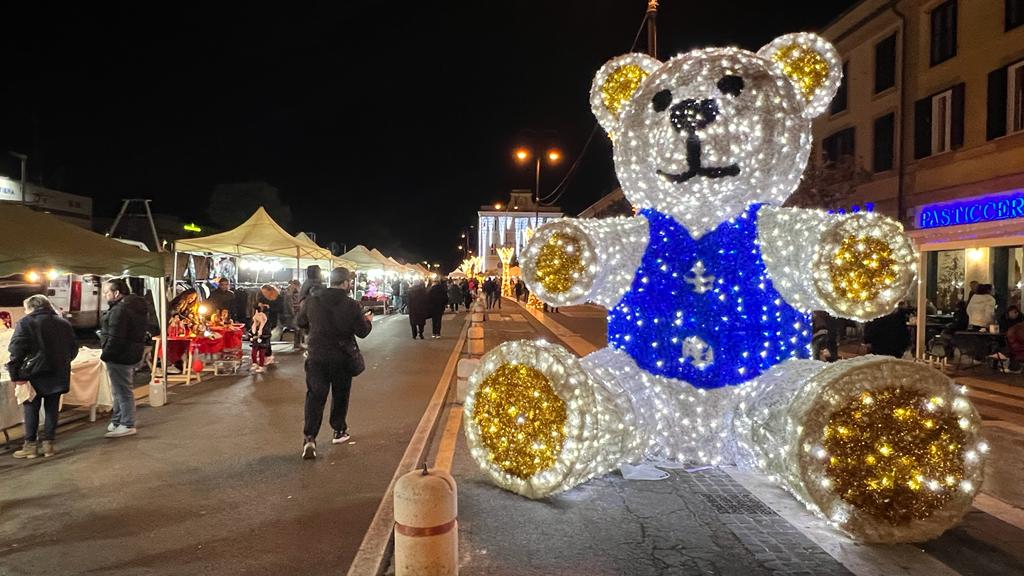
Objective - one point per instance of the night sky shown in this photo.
(382, 123)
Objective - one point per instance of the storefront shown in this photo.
(977, 239)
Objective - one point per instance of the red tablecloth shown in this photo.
(231, 336)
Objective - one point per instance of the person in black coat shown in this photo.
(123, 338)
(334, 320)
(419, 309)
(888, 335)
(438, 302)
(42, 328)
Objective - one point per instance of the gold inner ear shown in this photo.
(621, 85)
(808, 69)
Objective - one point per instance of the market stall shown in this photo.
(259, 243)
(35, 241)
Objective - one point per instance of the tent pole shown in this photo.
(298, 266)
(158, 390)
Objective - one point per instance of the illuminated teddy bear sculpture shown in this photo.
(709, 289)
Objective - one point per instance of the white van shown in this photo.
(79, 298)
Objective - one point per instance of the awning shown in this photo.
(31, 240)
(257, 236)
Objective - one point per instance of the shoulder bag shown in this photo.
(35, 364)
(355, 364)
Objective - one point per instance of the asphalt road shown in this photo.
(214, 484)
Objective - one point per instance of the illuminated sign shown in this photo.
(191, 227)
(985, 209)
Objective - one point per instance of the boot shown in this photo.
(28, 450)
(48, 449)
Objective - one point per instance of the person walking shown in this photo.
(454, 296)
(310, 286)
(290, 305)
(419, 309)
(438, 302)
(47, 342)
(466, 293)
(122, 337)
(334, 320)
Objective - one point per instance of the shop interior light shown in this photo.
(974, 254)
(203, 310)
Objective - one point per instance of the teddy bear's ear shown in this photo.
(811, 63)
(615, 84)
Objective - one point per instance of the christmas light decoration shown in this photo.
(709, 290)
(505, 254)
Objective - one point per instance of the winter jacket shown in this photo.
(419, 304)
(312, 284)
(333, 320)
(59, 347)
(438, 299)
(123, 331)
(455, 295)
(888, 335)
(981, 309)
(221, 300)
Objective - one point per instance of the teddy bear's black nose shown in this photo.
(691, 115)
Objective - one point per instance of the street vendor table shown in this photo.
(226, 340)
(90, 386)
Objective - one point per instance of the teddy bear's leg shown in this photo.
(539, 420)
(888, 450)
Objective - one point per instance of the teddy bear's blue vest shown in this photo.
(704, 311)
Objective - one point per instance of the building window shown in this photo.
(1015, 98)
(885, 64)
(943, 32)
(839, 101)
(838, 145)
(942, 115)
(883, 150)
(1014, 13)
(939, 122)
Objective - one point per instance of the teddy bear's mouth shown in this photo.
(693, 154)
(709, 172)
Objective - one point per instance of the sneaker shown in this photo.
(119, 431)
(309, 450)
(436, 336)
(269, 360)
(28, 451)
(111, 426)
(48, 449)
(340, 437)
(257, 369)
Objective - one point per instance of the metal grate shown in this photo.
(737, 504)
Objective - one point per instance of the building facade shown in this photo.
(70, 207)
(931, 114)
(505, 224)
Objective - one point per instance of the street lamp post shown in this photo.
(522, 155)
(24, 159)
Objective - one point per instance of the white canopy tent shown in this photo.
(362, 259)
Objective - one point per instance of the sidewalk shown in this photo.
(702, 521)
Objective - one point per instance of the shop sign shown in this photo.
(10, 190)
(972, 211)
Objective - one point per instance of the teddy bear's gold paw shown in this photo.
(865, 265)
(559, 264)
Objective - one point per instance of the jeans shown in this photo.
(51, 405)
(323, 377)
(121, 391)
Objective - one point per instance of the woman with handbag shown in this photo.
(42, 348)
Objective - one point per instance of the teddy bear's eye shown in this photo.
(661, 100)
(731, 85)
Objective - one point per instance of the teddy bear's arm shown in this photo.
(856, 266)
(573, 261)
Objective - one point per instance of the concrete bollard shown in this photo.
(478, 311)
(426, 524)
(476, 340)
(465, 369)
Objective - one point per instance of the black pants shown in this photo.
(323, 377)
(51, 404)
(435, 322)
(417, 327)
